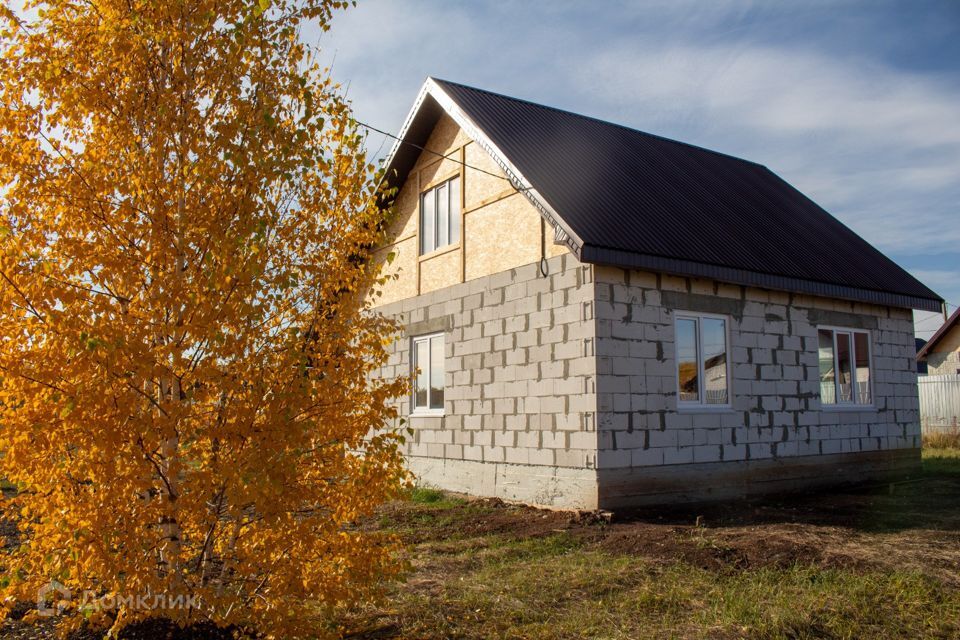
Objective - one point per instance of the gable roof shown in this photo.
(623, 197)
(944, 329)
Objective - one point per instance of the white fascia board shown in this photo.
(424, 90)
(516, 178)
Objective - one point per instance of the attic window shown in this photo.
(440, 216)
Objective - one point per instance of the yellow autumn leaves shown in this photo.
(186, 402)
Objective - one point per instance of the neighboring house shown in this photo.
(602, 317)
(942, 351)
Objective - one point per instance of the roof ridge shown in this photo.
(599, 120)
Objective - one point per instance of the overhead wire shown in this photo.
(370, 127)
(938, 316)
(440, 155)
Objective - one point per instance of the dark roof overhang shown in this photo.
(687, 268)
(413, 137)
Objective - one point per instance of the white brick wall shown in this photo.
(776, 411)
(555, 383)
(519, 383)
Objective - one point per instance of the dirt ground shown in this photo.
(913, 525)
(880, 561)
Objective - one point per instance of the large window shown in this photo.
(427, 356)
(844, 357)
(703, 372)
(440, 216)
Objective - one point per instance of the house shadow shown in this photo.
(929, 501)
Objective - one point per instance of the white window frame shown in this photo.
(837, 404)
(701, 404)
(451, 240)
(427, 337)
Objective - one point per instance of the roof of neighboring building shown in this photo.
(623, 197)
(944, 329)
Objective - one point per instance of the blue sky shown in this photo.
(855, 103)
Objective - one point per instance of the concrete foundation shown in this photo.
(713, 481)
(555, 487)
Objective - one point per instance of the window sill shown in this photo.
(426, 413)
(439, 252)
(841, 408)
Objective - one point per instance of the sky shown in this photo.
(857, 104)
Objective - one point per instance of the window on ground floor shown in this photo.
(703, 367)
(844, 358)
(427, 353)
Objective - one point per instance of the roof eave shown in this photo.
(628, 259)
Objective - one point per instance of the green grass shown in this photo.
(553, 588)
(426, 495)
(941, 461)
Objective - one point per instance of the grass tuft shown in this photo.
(426, 495)
(944, 439)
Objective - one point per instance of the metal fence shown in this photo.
(939, 403)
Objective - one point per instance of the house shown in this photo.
(600, 317)
(941, 353)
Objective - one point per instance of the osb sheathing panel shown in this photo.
(402, 231)
(446, 140)
(446, 136)
(403, 224)
(482, 186)
(439, 271)
(405, 264)
(502, 234)
(439, 171)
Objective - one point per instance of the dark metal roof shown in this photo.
(638, 200)
(944, 329)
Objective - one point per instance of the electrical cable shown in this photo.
(440, 155)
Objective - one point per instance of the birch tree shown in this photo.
(186, 344)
